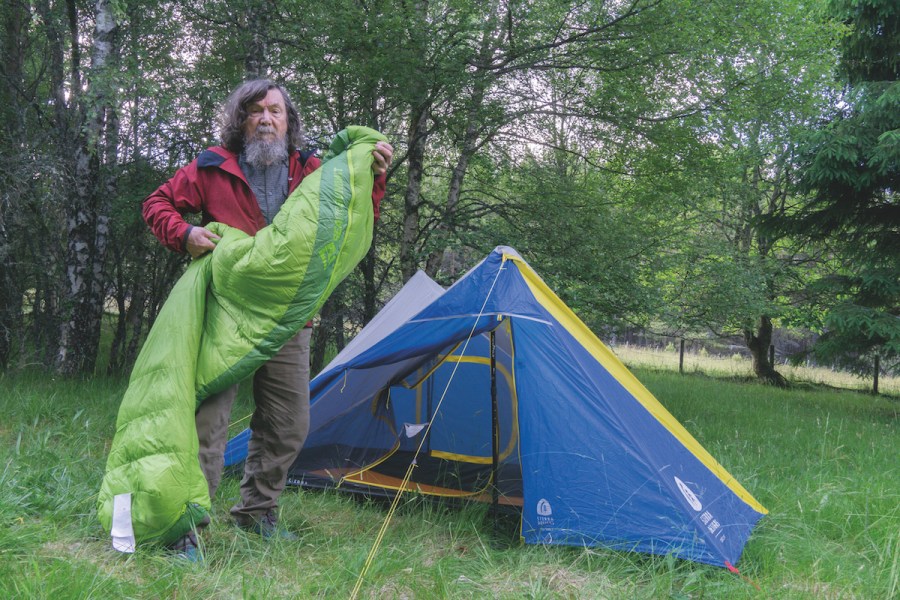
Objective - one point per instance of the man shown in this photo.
(243, 183)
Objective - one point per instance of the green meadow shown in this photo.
(825, 463)
(738, 366)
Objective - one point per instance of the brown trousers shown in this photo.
(279, 426)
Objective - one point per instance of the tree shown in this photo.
(851, 169)
(718, 171)
(71, 185)
(16, 20)
(87, 214)
(35, 153)
(512, 122)
(695, 150)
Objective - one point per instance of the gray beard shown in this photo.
(262, 153)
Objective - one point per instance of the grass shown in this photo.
(824, 462)
(738, 366)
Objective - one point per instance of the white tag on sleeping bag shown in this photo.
(122, 531)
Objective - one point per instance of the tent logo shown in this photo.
(689, 495)
(543, 508)
(545, 512)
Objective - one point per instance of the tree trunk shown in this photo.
(131, 300)
(412, 199)
(330, 329)
(45, 313)
(255, 63)
(11, 130)
(9, 311)
(12, 60)
(370, 288)
(758, 343)
(447, 227)
(87, 220)
(45, 268)
(134, 326)
(467, 148)
(54, 30)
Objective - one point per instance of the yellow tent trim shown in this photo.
(380, 480)
(475, 460)
(510, 382)
(353, 475)
(575, 326)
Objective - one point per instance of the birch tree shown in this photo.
(87, 215)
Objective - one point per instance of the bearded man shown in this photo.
(243, 183)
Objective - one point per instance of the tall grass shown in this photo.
(739, 366)
(824, 463)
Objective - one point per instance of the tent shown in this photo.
(497, 380)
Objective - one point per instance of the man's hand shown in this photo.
(200, 241)
(383, 153)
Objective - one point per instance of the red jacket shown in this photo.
(215, 185)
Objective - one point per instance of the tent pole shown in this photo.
(429, 386)
(495, 431)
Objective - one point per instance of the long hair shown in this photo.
(234, 114)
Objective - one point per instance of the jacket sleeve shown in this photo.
(163, 210)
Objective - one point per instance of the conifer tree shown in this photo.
(852, 174)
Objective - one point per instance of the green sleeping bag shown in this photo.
(231, 311)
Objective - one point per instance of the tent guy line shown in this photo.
(412, 465)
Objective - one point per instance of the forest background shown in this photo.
(675, 169)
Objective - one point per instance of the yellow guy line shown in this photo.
(371, 557)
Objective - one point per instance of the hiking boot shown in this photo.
(186, 548)
(266, 526)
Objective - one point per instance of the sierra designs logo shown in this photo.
(689, 495)
(545, 512)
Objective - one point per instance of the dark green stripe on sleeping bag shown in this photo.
(330, 237)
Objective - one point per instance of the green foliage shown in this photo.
(851, 168)
(566, 223)
(870, 52)
(627, 149)
(859, 323)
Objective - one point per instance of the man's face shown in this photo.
(267, 118)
